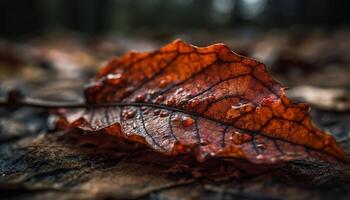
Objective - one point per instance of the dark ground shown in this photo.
(39, 162)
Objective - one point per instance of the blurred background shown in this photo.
(159, 18)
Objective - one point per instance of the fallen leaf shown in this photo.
(209, 101)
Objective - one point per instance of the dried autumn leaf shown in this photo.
(209, 100)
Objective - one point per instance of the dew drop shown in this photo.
(211, 97)
(187, 121)
(232, 113)
(261, 147)
(164, 114)
(273, 159)
(236, 110)
(151, 92)
(259, 157)
(176, 118)
(130, 114)
(171, 101)
(129, 90)
(156, 112)
(159, 99)
(143, 108)
(193, 103)
(178, 91)
(114, 79)
(163, 83)
(140, 98)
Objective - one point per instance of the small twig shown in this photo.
(29, 102)
(16, 102)
(15, 99)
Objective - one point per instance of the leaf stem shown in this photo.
(15, 99)
(29, 102)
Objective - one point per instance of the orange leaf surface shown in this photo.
(209, 101)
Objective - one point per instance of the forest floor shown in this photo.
(37, 161)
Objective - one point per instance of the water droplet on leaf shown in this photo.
(259, 157)
(178, 91)
(129, 90)
(156, 112)
(163, 83)
(159, 99)
(143, 108)
(130, 114)
(164, 114)
(261, 147)
(193, 103)
(176, 118)
(151, 92)
(140, 98)
(236, 110)
(232, 113)
(114, 79)
(171, 101)
(187, 121)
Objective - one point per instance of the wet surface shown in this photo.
(37, 161)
